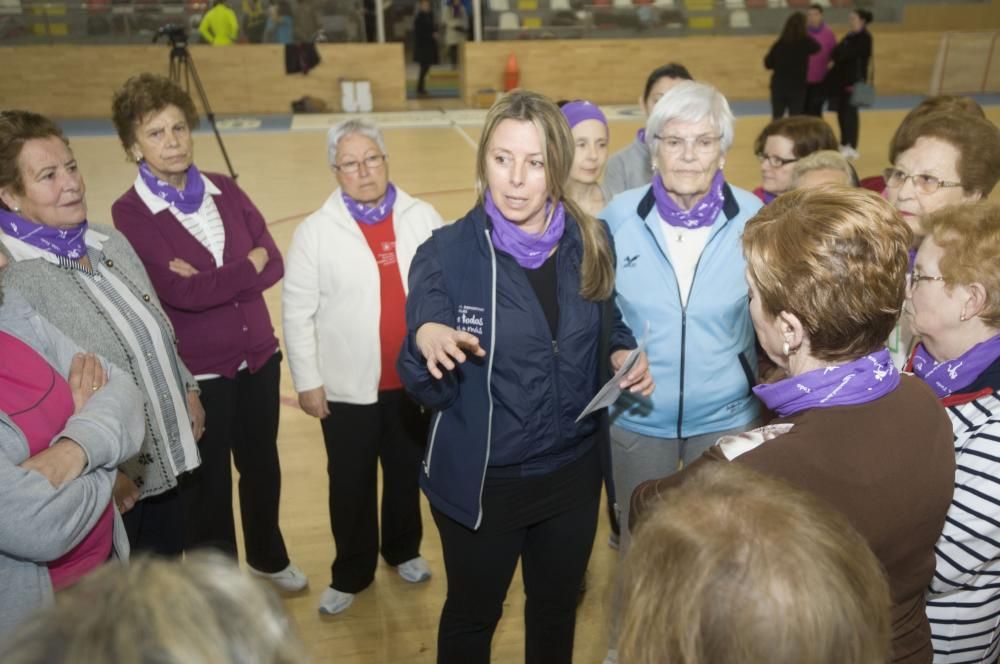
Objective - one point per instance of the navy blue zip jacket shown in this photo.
(513, 410)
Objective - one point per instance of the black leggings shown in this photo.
(422, 81)
(553, 552)
(847, 118)
(792, 101)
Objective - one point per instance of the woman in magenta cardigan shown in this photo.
(210, 258)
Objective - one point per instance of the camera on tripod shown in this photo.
(175, 34)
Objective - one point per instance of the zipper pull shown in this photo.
(555, 347)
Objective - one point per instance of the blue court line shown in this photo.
(279, 123)
(228, 124)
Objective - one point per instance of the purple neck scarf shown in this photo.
(946, 378)
(65, 242)
(640, 136)
(530, 251)
(187, 201)
(767, 197)
(371, 214)
(702, 214)
(818, 29)
(865, 379)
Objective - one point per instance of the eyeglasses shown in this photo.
(774, 161)
(913, 279)
(677, 144)
(371, 163)
(925, 184)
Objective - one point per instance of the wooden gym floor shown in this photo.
(286, 175)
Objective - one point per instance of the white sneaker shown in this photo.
(414, 570)
(333, 601)
(849, 152)
(291, 579)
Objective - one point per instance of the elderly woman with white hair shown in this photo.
(344, 302)
(681, 270)
(822, 168)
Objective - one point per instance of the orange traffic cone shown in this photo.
(511, 74)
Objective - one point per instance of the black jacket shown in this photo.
(790, 62)
(850, 61)
(425, 48)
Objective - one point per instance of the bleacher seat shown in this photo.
(623, 3)
(664, 4)
(509, 21)
(560, 5)
(777, 4)
(736, 4)
(739, 18)
(499, 5)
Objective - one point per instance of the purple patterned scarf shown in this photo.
(951, 376)
(371, 214)
(640, 136)
(65, 242)
(529, 250)
(865, 379)
(188, 201)
(702, 214)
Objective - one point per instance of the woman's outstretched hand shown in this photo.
(444, 346)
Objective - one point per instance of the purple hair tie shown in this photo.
(578, 111)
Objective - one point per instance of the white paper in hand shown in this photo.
(609, 394)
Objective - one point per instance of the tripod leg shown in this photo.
(193, 71)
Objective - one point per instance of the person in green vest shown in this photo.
(219, 26)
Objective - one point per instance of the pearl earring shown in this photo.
(786, 349)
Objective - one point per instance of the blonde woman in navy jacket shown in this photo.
(511, 328)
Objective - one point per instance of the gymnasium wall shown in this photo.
(614, 70)
(75, 81)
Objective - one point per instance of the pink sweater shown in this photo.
(820, 61)
(38, 400)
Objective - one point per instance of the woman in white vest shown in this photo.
(344, 322)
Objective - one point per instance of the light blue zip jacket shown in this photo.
(702, 355)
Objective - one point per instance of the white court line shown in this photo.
(465, 135)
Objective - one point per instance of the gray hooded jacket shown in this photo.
(38, 522)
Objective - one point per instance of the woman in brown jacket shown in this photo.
(827, 270)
